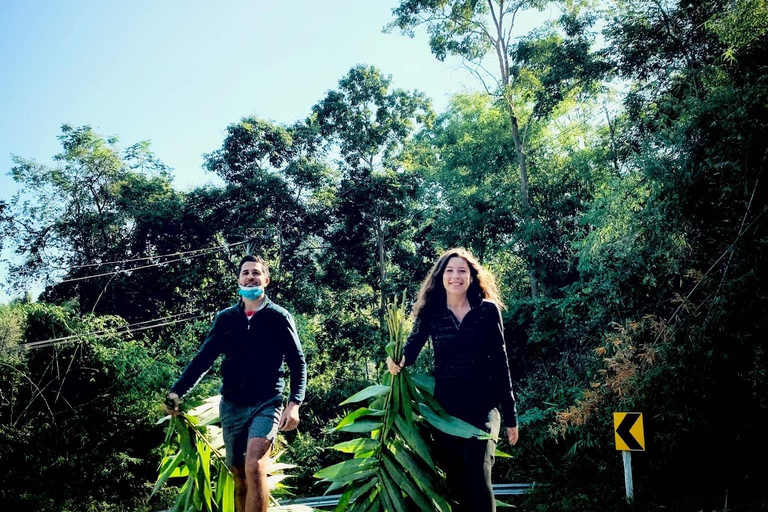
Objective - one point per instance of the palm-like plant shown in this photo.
(392, 468)
(194, 448)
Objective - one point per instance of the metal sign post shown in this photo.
(627, 456)
(630, 437)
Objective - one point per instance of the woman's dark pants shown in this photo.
(467, 464)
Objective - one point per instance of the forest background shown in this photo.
(609, 171)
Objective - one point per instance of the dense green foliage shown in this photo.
(643, 226)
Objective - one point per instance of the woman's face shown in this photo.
(456, 276)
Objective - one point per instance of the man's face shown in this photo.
(252, 274)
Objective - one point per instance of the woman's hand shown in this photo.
(512, 435)
(393, 368)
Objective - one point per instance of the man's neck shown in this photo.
(254, 305)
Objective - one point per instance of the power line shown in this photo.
(128, 270)
(129, 329)
(178, 256)
(131, 260)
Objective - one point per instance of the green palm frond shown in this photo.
(392, 468)
(194, 449)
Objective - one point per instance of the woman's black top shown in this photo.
(471, 367)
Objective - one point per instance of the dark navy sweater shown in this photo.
(254, 350)
(471, 367)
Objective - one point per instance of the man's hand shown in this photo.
(290, 417)
(393, 367)
(512, 435)
(171, 404)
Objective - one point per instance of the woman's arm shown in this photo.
(502, 380)
(416, 340)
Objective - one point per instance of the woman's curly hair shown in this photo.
(432, 292)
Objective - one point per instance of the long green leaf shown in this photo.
(405, 397)
(359, 413)
(452, 425)
(365, 394)
(167, 470)
(354, 477)
(345, 497)
(395, 496)
(362, 445)
(335, 486)
(205, 460)
(363, 489)
(426, 480)
(362, 426)
(370, 502)
(347, 467)
(229, 494)
(395, 405)
(404, 481)
(180, 472)
(387, 499)
(413, 438)
(425, 383)
(420, 474)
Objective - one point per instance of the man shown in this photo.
(255, 336)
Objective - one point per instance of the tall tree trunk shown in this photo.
(502, 53)
(382, 270)
(524, 196)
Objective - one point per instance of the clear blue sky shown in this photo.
(178, 72)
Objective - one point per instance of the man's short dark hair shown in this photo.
(255, 259)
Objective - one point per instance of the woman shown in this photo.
(458, 307)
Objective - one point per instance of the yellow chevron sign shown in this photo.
(628, 428)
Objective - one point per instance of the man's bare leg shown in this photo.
(256, 462)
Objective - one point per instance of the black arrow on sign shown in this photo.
(623, 430)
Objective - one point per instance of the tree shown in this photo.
(277, 189)
(98, 206)
(533, 76)
(671, 257)
(71, 412)
(368, 123)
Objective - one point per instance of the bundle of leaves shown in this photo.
(393, 468)
(194, 449)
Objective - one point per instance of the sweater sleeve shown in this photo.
(416, 340)
(294, 359)
(502, 380)
(211, 348)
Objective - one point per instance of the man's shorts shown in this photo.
(242, 422)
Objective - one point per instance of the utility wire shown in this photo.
(178, 256)
(131, 260)
(128, 270)
(135, 327)
(109, 332)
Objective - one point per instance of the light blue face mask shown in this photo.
(251, 292)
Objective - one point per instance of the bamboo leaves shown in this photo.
(369, 392)
(392, 469)
(194, 450)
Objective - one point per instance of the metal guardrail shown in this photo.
(332, 500)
